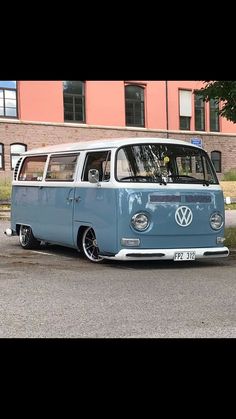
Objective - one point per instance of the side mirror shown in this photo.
(93, 176)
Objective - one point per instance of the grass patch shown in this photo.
(229, 188)
(230, 206)
(230, 235)
(230, 175)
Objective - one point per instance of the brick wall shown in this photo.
(36, 135)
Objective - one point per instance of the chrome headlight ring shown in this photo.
(140, 221)
(216, 221)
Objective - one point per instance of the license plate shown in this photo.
(184, 256)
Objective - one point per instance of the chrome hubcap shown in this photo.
(24, 234)
(90, 246)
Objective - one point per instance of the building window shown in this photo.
(1, 157)
(134, 106)
(184, 123)
(74, 101)
(216, 160)
(8, 99)
(16, 150)
(214, 115)
(199, 113)
(185, 109)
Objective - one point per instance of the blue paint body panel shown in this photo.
(97, 207)
(55, 215)
(164, 232)
(48, 210)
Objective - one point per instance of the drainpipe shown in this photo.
(167, 110)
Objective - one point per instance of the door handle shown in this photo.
(78, 199)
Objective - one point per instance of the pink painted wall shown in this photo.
(41, 101)
(105, 103)
(227, 126)
(173, 98)
(155, 105)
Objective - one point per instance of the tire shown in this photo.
(27, 239)
(89, 246)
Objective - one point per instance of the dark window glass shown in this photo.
(74, 87)
(184, 122)
(99, 160)
(1, 157)
(33, 168)
(62, 168)
(134, 106)
(199, 113)
(16, 150)
(214, 115)
(158, 163)
(216, 160)
(186, 163)
(8, 99)
(74, 101)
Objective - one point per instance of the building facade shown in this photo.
(39, 113)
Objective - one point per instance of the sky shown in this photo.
(8, 84)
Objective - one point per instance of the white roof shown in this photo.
(101, 144)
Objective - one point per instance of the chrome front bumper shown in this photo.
(168, 254)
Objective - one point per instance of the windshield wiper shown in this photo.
(189, 179)
(139, 178)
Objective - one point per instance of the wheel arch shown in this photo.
(80, 233)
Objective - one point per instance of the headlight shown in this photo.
(216, 221)
(140, 221)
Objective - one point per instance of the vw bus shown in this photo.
(121, 199)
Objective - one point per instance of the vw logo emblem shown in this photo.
(183, 216)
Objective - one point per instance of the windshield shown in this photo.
(164, 163)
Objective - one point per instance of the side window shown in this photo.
(99, 160)
(16, 150)
(216, 160)
(62, 168)
(33, 168)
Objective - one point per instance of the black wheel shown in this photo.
(89, 246)
(27, 239)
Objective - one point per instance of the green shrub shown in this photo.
(230, 175)
(5, 189)
(230, 235)
(230, 206)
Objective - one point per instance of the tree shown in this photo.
(221, 91)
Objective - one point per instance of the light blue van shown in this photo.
(121, 199)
